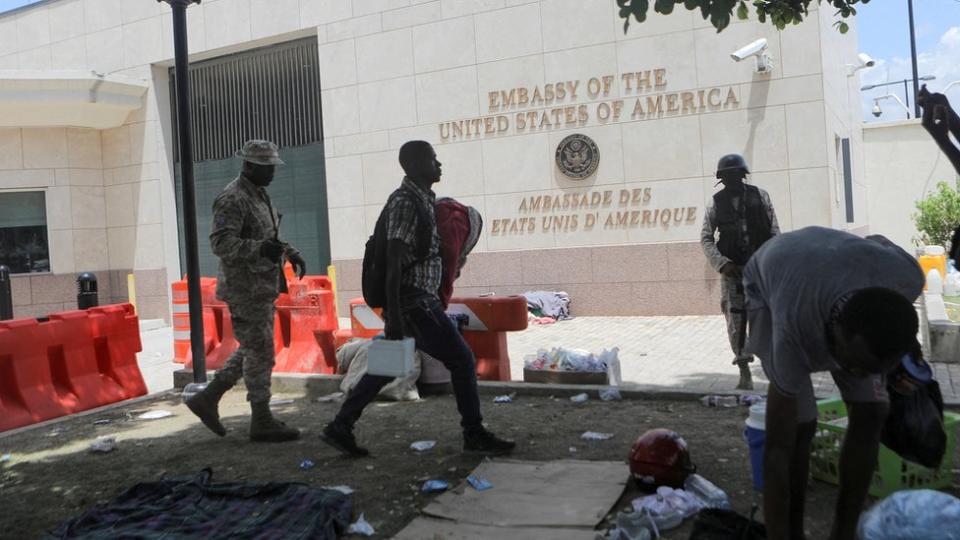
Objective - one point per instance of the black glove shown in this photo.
(299, 265)
(731, 270)
(272, 249)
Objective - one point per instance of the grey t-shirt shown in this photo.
(793, 282)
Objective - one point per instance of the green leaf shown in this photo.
(742, 11)
(843, 27)
(664, 6)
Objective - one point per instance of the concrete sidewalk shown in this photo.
(677, 353)
(689, 354)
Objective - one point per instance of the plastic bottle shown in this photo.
(951, 285)
(934, 282)
(706, 491)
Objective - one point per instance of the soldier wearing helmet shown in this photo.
(743, 216)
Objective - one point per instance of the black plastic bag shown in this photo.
(717, 524)
(914, 427)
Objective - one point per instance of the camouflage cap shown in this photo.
(260, 152)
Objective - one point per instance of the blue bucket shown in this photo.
(756, 439)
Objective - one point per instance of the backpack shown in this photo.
(374, 273)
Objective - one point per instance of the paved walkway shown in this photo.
(672, 353)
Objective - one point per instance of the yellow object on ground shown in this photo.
(132, 291)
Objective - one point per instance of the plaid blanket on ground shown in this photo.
(192, 507)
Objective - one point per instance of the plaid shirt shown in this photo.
(422, 268)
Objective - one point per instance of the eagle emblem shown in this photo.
(577, 156)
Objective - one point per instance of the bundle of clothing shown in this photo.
(193, 507)
(548, 304)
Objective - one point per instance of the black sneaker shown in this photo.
(343, 440)
(484, 442)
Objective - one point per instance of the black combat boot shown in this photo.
(264, 428)
(204, 405)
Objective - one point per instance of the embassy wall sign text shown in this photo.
(578, 103)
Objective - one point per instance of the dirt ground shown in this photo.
(51, 476)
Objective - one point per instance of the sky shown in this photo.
(884, 34)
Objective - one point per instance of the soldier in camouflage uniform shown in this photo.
(245, 238)
(744, 217)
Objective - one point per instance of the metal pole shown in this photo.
(906, 94)
(913, 58)
(179, 8)
(6, 294)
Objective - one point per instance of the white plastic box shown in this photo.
(391, 358)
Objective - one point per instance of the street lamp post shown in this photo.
(179, 8)
(913, 58)
(906, 92)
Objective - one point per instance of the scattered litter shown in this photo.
(707, 492)
(595, 436)
(155, 415)
(560, 359)
(278, 402)
(329, 397)
(505, 399)
(720, 401)
(479, 483)
(56, 432)
(611, 393)
(573, 449)
(306, 465)
(668, 501)
(361, 527)
(346, 490)
(370, 467)
(580, 398)
(101, 422)
(750, 400)
(434, 486)
(542, 321)
(104, 444)
(5, 457)
(423, 446)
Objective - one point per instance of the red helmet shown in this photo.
(660, 458)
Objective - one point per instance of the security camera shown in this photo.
(876, 110)
(753, 49)
(864, 61)
(756, 49)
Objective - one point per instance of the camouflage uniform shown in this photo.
(242, 219)
(732, 301)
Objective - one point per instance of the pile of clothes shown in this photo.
(547, 307)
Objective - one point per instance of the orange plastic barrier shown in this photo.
(489, 319)
(76, 360)
(304, 328)
(306, 322)
(118, 332)
(365, 321)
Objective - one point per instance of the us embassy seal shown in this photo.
(577, 156)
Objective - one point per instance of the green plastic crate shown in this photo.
(893, 472)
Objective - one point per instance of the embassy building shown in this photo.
(589, 151)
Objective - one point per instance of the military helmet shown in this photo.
(732, 161)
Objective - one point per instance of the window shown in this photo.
(23, 232)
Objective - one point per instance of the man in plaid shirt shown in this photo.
(414, 308)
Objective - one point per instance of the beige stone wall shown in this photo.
(647, 279)
(393, 70)
(39, 295)
(904, 166)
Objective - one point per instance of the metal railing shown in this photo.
(269, 93)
